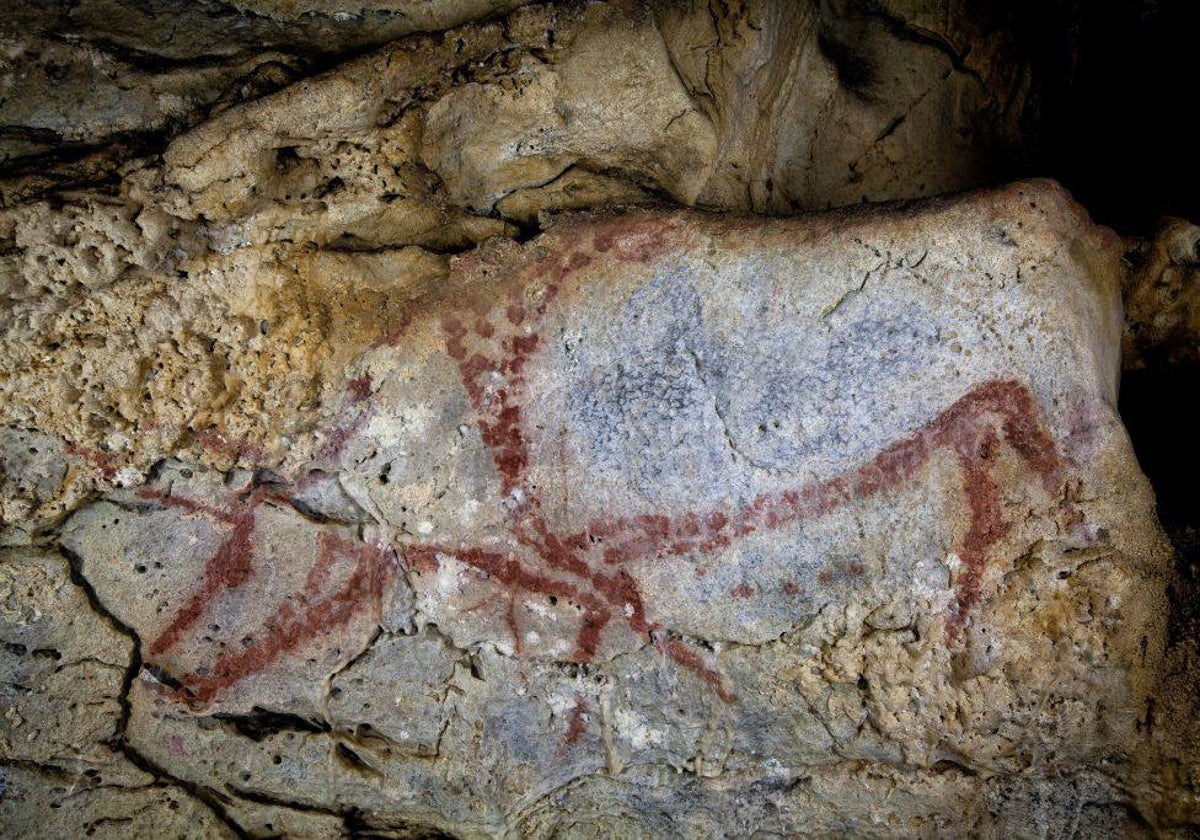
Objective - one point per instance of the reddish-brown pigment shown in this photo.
(492, 342)
(95, 458)
(578, 722)
(491, 358)
(301, 618)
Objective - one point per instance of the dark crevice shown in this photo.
(903, 30)
(260, 724)
(1116, 77)
(657, 197)
(209, 798)
(1168, 450)
(526, 231)
(96, 166)
(891, 127)
(61, 775)
(855, 70)
(351, 760)
(360, 656)
(359, 825)
(30, 134)
(151, 62)
(276, 802)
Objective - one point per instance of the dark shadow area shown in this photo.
(1117, 82)
(1155, 405)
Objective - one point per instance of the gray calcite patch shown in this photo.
(675, 525)
(33, 472)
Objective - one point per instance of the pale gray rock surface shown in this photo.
(678, 525)
(63, 670)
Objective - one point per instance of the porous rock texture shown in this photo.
(675, 525)
(1163, 298)
(349, 486)
(65, 668)
(150, 298)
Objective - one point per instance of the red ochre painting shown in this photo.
(492, 345)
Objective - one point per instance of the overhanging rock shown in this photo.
(834, 514)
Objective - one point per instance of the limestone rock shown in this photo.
(147, 63)
(768, 105)
(180, 30)
(61, 804)
(349, 486)
(64, 666)
(821, 105)
(33, 475)
(203, 301)
(59, 96)
(574, 189)
(701, 526)
(1162, 360)
(321, 591)
(1163, 298)
(105, 350)
(63, 670)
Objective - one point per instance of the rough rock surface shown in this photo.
(64, 670)
(675, 525)
(765, 105)
(1163, 298)
(1162, 361)
(79, 75)
(143, 317)
(316, 520)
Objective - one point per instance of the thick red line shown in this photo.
(491, 359)
(300, 618)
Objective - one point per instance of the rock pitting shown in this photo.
(678, 525)
(404, 432)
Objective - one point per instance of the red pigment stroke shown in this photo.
(492, 342)
(971, 429)
(492, 356)
(96, 458)
(303, 616)
(500, 423)
(360, 388)
(578, 723)
(229, 568)
(241, 452)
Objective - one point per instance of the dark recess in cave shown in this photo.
(1117, 78)
(1154, 405)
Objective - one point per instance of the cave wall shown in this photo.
(596, 419)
